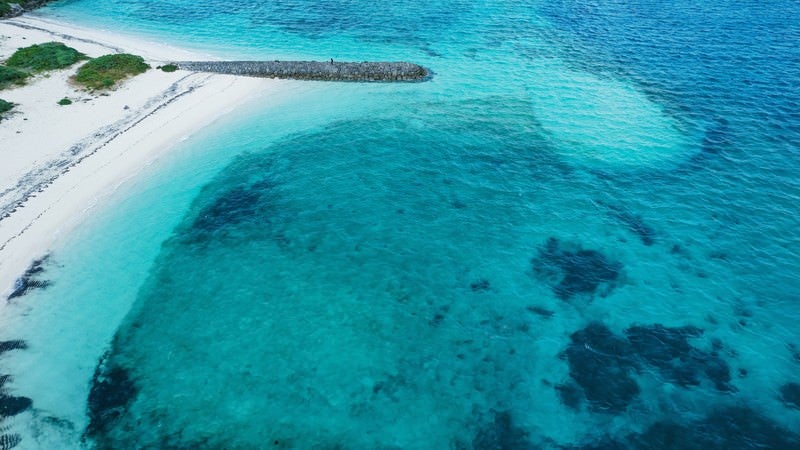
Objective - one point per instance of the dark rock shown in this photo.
(111, 391)
(602, 364)
(501, 434)
(11, 406)
(790, 394)
(314, 70)
(577, 271)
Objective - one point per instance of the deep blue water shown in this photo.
(582, 233)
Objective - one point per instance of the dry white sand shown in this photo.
(57, 162)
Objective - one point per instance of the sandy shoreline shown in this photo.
(58, 162)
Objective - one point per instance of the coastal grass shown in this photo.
(64, 101)
(105, 71)
(5, 107)
(47, 56)
(10, 76)
(169, 68)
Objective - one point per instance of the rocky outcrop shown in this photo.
(314, 70)
(16, 9)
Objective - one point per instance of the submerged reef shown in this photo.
(571, 270)
(603, 365)
(111, 391)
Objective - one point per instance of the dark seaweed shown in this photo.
(9, 441)
(570, 395)
(111, 391)
(731, 428)
(578, 271)
(480, 285)
(669, 350)
(501, 434)
(790, 394)
(234, 206)
(11, 406)
(15, 344)
(28, 281)
(538, 310)
(602, 364)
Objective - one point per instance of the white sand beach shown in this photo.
(58, 162)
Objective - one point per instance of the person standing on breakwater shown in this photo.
(331, 60)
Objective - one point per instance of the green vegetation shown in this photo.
(105, 71)
(5, 107)
(169, 68)
(65, 101)
(5, 6)
(47, 56)
(9, 76)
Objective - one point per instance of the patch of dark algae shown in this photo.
(30, 279)
(11, 405)
(729, 428)
(571, 270)
(603, 365)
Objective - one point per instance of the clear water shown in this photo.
(581, 234)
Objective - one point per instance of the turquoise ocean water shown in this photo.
(581, 233)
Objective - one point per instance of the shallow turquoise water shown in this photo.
(581, 233)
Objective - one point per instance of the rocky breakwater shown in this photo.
(314, 70)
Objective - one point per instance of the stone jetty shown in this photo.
(314, 70)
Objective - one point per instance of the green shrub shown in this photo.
(5, 107)
(105, 71)
(5, 7)
(169, 68)
(47, 56)
(65, 101)
(9, 76)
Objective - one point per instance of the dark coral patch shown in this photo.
(790, 394)
(572, 270)
(602, 364)
(111, 391)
